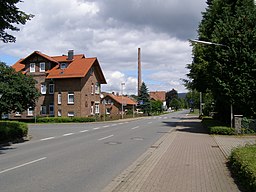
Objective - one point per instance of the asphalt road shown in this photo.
(78, 157)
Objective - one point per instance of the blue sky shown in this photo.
(113, 31)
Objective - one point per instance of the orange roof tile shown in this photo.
(41, 54)
(126, 100)
(64, 58)
(157, 95)
(18, 66)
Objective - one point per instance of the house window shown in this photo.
(43, 89)
(97, 108)
(59, 98)
(43, 110)
(51, 109)
(59, 113)
(71, 114)
(92, 89)
(32, 67)
(71, 98)
(63, 65)
(42, 67)
(108, 111)
(92, 108)
(51, 89)
(30, 111)
(97, 88)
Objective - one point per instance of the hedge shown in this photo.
(242, 163)
(64, 119)
(12, 130)
(222, 130)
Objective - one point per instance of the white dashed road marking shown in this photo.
(103, 138)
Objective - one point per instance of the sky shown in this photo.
(112, 31)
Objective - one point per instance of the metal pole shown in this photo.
(231, 114)
(200, 101)
(122, 84)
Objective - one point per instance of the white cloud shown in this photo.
(112, 31)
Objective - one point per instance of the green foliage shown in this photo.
(175, 104)
(156, 106)
(64, 119)
(170, 95)
(143, 99)
(228, 71)
(243, 166)
(10, 16)
(221, 130)
(12, 130)
(18, 90)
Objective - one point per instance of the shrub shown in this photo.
(12, 130)
(243, 166)
(64, 119)
(221, 130)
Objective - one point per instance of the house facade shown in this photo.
(115, 105)
(70, 85)
(159, 96)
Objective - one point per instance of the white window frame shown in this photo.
(51, 89)
(70, 95)
(17, 113)
(97, 108)
(71, 114)
(59, 113)
(97, 88)
(51, 109)
(43, 110)
(43, 89)
(32, 68)
(92, 89)
(92, 109)
(30, 111)
(59, 98)
(42, 67)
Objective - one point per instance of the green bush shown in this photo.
(221, 130)
(242, 164)
(12, 130)
(64, 119)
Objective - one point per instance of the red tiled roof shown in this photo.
(77, 68)
(126, 100)
(157, 95)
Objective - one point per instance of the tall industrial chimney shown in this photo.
(139, 72)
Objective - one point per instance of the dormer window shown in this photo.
(32, 67)
(63, 65)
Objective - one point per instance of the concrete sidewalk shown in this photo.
(187, 159)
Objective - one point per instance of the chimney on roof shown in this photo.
(70, 54)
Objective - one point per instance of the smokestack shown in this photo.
(70, 54)
(139, 72)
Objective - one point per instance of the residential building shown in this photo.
(114, 104)
(159, 96)
(70, 85)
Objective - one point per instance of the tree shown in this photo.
(170, 95)
(143, 99)
(227, 71)
(175, 104)
(18, 90)
(156, 106)
(10, 16)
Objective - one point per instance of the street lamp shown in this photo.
(122, 84)
(217, 44)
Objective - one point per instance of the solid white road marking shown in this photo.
(83, 131)
(48, 138)
(22, 165)
(105, 137)
(136, 127)
(67, 134)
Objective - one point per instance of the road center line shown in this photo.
(48, 138)
(96, 128)
(136, 127)
(67, 134)
(149, 122)
(105, 137)
(106, 126)
(83, 131)
(22, 165)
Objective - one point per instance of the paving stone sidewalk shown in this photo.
(186, 159)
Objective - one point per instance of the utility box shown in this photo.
(238, 123)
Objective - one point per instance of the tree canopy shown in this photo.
(10, 16)
(227, 71)
(18, 91)
(170, 95)
(143, 99)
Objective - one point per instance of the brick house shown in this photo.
(159, 96)
(113, 104)
(69, 85)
